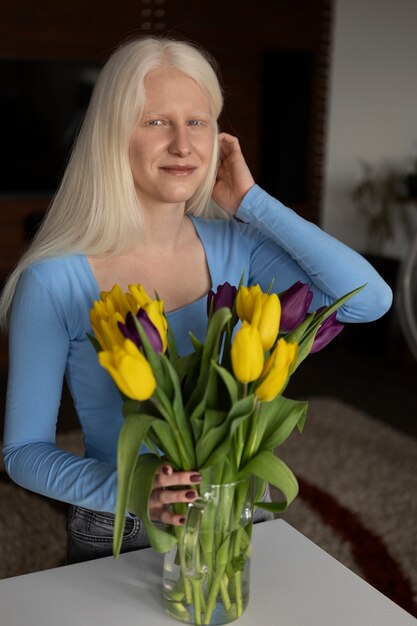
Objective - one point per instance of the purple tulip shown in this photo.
(224, 297)
(130, 331)
(327, 332)
(294, 306)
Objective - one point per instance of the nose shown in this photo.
(180, 142)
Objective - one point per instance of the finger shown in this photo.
(227, 145)
(176, 478)
(172, 518)
(227, 138)
(168, 517)
(163, 497)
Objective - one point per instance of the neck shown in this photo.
(164, 228)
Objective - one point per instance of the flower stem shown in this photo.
(225, 593)
(214, 590)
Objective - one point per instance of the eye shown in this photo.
(196, 123)
(154, 123)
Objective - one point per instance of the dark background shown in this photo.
(274, 57)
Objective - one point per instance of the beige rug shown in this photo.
(358, 501)
(358, 495)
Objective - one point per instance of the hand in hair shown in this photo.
(233, 175)
(162, 496)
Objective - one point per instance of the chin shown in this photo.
(178, 195)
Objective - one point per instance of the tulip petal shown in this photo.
(295, 303)
(224, 296)
(277, 370)
(130, 370)
(330, 328)
(247, 354)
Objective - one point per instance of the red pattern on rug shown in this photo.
(379, 568)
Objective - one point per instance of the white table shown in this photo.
(294, 583)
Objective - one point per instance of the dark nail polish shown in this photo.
(190, 495)
(195, 478)
(165, 469)
(182, 520)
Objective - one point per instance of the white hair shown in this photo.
(96, 210)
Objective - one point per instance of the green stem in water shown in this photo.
(224, 592)
(214, 590)
(238, 575)
(197, 593)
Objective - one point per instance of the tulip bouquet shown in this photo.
(219, 411)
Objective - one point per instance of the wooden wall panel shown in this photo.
(236, 32)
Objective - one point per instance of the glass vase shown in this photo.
(207, 573)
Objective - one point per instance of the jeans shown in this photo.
(90, 533)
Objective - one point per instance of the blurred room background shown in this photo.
(323, 97)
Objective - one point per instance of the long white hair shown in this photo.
(96, 210)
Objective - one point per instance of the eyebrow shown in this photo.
(166, 114)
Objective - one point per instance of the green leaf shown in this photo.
(132, 434)
(273, 470)
(184, 364)
(132, 407)
(196, 419)
(212, 419)
(215, 327)
(306, 332)
(212, 437)
(197, 344)
(277, 419)
(296, 335)
(237, 416)
(211, 390)
(179, 415)
(166, 439)
(95, 343)
(172, 346)
(229, 381)
(144, 475)
(316, 319)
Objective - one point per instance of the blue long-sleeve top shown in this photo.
(50, 321)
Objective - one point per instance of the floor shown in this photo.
(367, 365)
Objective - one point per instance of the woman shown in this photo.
(133, 208)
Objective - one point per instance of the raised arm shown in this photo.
(290, 248)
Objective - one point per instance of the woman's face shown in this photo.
(171, 145)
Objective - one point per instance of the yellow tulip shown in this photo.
(130, 370)
(118, 299)
(262, 310)
(113, 307)
(276, 370)
(137, 297)
(247, 354)
(246, 299)
(104, 322)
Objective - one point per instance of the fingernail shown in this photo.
(195, 478)
(165, 469)
(182, 520)
(190, 495)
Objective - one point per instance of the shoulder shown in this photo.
(58, 291)
(62, 280)
(219, 232)
(57, 273)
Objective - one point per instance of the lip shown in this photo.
(178, 170)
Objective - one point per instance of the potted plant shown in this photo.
(379, 197)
